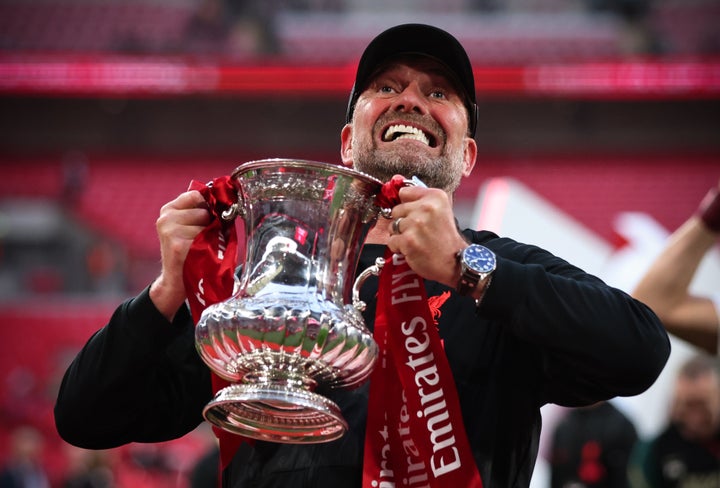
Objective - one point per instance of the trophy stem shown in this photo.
(277, 407)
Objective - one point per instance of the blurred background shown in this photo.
(599, 119)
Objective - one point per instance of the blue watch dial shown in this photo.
(479, 258)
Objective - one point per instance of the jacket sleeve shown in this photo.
(595, 342)
(138, 379)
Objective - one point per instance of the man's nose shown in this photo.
(411, 99)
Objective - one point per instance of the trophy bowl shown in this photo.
(293, 324)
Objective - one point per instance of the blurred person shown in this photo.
(88, 468)
(205, 472)
(254, 29)
(222, 27)
(665, 285)
(208, 29)
(74, 178)
(522, 329)
(105, 267)
(590, 448)
(687, 452)
(24, 468)
(637, 35)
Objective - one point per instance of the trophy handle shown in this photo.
(372, 270)
(237, 209)
(231, 212)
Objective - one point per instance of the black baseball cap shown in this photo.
(417, 39)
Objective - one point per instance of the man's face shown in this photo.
(696, 408)
(411, 121)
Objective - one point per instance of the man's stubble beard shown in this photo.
(444, 172)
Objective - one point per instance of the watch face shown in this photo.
(479, 258)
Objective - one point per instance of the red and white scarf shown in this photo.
(415, 436)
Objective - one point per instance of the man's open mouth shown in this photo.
(401, 131)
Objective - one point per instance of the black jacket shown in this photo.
(546, 332)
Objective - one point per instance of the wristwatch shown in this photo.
(477, 264)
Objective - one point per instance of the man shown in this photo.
(591, 447)
(665, 286)
(24, 464)
(529, 330)
(687, 452)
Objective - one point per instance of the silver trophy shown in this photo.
(293, 322)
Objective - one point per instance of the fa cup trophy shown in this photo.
(293, 322)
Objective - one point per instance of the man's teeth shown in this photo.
(400, 131)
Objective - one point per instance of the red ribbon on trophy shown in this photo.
(415, 434)
(209, 276)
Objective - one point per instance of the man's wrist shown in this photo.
(167, 299)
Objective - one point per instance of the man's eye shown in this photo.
(386, 89)
(437, 94)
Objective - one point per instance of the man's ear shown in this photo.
(346, 145)
(469, 155)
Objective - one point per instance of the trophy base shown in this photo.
(276, 413)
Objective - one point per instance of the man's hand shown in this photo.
(180, 221)
(428, 235)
